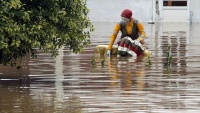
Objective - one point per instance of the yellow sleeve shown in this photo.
(141, 31)
(114, 35)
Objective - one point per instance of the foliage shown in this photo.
(29, 25)
(168, 57)
(102, 62)
(93, 62)
(149, 61)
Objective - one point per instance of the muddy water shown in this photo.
(69, 84)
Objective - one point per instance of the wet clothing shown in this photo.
(129, 47)
(134, 30)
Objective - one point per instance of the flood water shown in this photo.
(70, 84)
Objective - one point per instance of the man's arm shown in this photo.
(141, 31)
(114, 35)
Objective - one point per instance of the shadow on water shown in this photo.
(70, 84)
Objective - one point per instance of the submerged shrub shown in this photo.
(29, 25)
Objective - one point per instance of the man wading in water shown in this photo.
(132, 37)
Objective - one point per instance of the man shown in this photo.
(132, 37)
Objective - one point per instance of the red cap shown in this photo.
(127, 13)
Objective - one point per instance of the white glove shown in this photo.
(137, 42)
(108, 53)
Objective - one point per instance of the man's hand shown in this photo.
(108, 53)
(141, 40)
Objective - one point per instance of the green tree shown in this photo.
(26, 25)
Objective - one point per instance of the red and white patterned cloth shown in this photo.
(129, 47)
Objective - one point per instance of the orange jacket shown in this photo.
(129, 27)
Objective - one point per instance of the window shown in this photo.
(174, 2)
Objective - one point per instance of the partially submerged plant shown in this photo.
(169, 71)
(149, 61)
(102, 62)
(168, 57)
(93, 62)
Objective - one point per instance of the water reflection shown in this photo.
(126, 73)
(69, 84)
(58, 102)
(18, 100)
(177, 40)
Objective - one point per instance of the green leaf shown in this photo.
(42, 24)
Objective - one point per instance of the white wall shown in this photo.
(195, 8)
(110, 10)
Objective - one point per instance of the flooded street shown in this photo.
(70, 84)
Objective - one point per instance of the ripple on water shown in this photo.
(69, 83)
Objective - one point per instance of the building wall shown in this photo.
(110, 10)
(195, 9)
